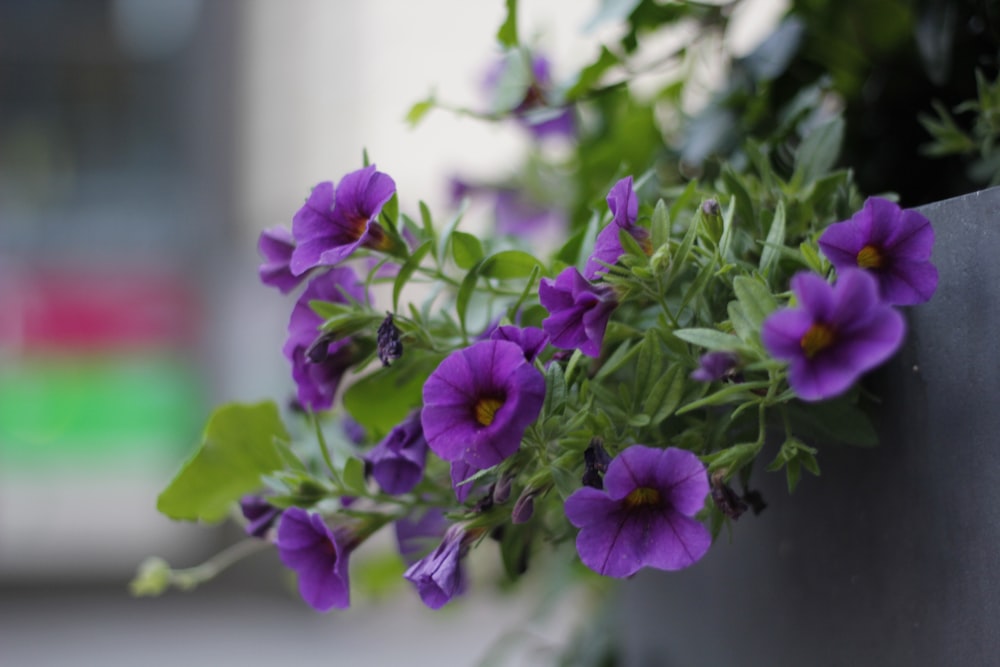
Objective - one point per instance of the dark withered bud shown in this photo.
(318, 352)
(486, 502)
(595, 460)
(390, 347)
(727, 500)
(755, 501)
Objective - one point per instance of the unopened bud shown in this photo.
(524, 508)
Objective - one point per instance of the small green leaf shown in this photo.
(507, 34)
(660, 225)
(709, 338)
(465, 291)
(755, 299)
(590, 75)
(241, 443)
(729, 394)
(419, 110)
(775, 240)
(732, 458)
(406, 271)
(819, 150)
(354, 476)
(509, 264)
(466, 249)
(665, 396)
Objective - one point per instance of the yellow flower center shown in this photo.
(818, 338)
(642, 497)
(485, 410)
(870, 257)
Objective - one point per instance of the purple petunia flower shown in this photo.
(439, 575)
(518, 215)
(643, 517)
(397, 463)
(891, 243)
(333, 224)
(715, 366)
(531, 340)
(608, 247)
(533, 110)
(318, 555)
(836, 334)
(260, 515)
(578, 311)
(318, 365)
(479, 401)
(413, 534)
(275, 246)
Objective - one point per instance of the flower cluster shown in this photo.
(537, 419)
(467, 389)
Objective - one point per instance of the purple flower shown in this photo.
(835, 334)
(608, 247)
(413, 534)
(892, 244)
(479, 401)
(715, 366)
(533, 111)
(319, 364)
(318, 555)
(578, 311)
(397, 463)
(275, 246)
(531, 340)
(439, 576)
(518, 215)
(332, 225)
(260, 515)
(643, 517)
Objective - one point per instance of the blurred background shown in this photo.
(143, 146)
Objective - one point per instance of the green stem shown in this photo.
(321, 439)
(188, 578)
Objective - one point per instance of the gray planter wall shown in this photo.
(892, 557)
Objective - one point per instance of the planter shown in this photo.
(891, 557)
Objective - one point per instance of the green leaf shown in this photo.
(445, 238)
(591, 74)
(836, 421)
(709, 338)
(406, 271)
(728, 394)
(755, 299)
(383, 399)
(419, 110)
(775, 240)
(663, 399)
(241, 443)
(354, 476)
(466, 249)
(515, 548)
(732, 458)
(819, 151)
(660, 225)
(507, 34)
(465, 291)
(509, 264)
